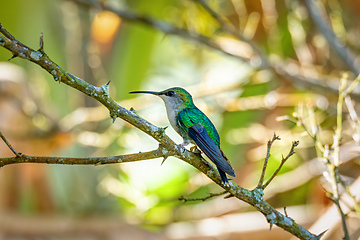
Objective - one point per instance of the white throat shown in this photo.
(173, 107)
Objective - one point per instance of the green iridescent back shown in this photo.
(194, 115)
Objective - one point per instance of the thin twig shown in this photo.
(338, 130)
(352, 86)
(9, 146)
(333, 166)
(285, 212)
(351, 109)
(283, 160)
(6, 33)
(269, 144)
(356, 205)
(300, 121)
(211, 195)
(343, 218)
(313, 133)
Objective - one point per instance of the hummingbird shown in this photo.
(194, 127)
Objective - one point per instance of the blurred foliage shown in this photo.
(244, 102)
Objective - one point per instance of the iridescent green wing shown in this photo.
(190, 120)
(191, 116)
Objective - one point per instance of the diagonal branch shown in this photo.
(9, 146)
(318, 14)
(278, 68)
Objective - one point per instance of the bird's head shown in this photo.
(175, 97)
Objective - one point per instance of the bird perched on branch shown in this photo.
(194, 127)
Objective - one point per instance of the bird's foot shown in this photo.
(182, 147)
(195, 150)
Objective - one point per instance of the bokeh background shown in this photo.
(246, 100)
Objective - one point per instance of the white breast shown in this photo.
(172, 109)
(172, 117)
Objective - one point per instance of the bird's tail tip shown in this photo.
(223, 176)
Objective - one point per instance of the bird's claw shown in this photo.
(182, 145)
(195, 150)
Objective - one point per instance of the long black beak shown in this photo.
(149, 92)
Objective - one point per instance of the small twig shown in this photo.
(6, 33)
(285, 212)
(283, 160)
(300, 122)
(211, 195)
(269, 144)
(352, 86)
(343, 218)
(313, 133)
(41, 49)
(9, 145)
(333, 166)
(352, 197)
(355, 123)
(338, 130)
(354, 117)
(322, 234)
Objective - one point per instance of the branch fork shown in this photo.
(261, 184)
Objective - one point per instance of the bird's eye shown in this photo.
(170, 93)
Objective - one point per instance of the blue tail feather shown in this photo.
(223, 176)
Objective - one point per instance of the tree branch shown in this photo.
(161, 26)
(167, 146)
(22, 158)
(332, 155)
(211, 195)
(277, 68)
(318, 14)
(333, 166)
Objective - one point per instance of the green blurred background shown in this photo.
(42, 117)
